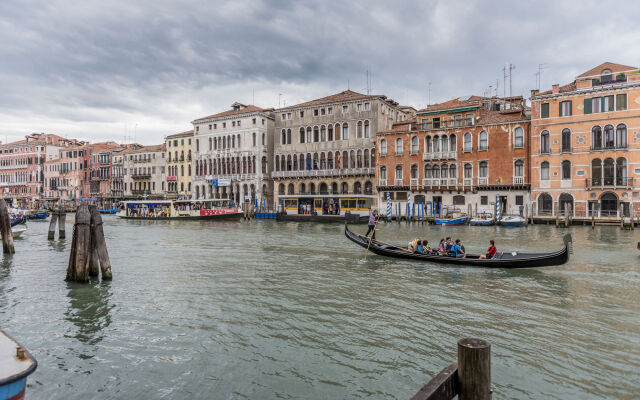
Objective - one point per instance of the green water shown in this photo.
(267, 310)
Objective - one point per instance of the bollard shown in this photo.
(62, 216)
(99, 245)
(5, 229)
(474, 369)
(80, 247)
(52, 225)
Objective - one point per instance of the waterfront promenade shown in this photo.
(264, 309)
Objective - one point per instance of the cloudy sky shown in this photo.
(142, 69)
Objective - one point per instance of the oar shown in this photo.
(370, 238)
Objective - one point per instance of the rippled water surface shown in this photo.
(291, 310)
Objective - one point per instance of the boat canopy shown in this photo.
(147, 203)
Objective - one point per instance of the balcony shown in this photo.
(383, 154)
(483, 181)
(383, 182)
(141, 176)
(467, 182)
(439, 182)
(608, 147)
(609, 183)
(413, 182)
(518, 180)
(20, 166)
(399, 182)
(323, 172)
(441, 155)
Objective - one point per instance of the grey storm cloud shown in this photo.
(113, 69)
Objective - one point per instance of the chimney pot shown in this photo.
(555, 88)
(534, 92)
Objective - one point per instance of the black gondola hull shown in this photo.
(502, 260)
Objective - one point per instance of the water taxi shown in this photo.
(16, 364)
(179, 209)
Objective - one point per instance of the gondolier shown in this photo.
(373, 216)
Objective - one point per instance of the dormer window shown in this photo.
(606, 76)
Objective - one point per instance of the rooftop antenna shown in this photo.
(504, 81)
(541, 67)
(511, 68)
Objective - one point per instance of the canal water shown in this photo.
(262, 309)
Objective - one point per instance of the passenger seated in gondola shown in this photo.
(456, 250)
(491, 251)
(442, 247)
(448, 244)
(413, 245)
(424, 247)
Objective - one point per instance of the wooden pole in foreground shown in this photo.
(5, 229)
(61, 224)
(474, 369)
(82, 238)
(52, 225)
(99, 245)
(94, 260)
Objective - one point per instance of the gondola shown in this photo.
(501, 260)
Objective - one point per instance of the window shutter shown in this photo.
(621, 102)
(560, 109)
(570, 107)
(587, 106)
(610, 103)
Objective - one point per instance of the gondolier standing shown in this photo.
(373, 216)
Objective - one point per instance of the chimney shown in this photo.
(555, 89)
(534, 92)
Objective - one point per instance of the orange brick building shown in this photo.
(464, 153)
(585, 145)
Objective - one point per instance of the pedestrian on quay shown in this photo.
(373, 217)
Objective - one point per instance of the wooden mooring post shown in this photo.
(57, 216)
(469, 378)
(88, 247)
(52, 225)
(5, 229)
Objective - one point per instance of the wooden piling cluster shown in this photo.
(469, 378)
(57, 216)
(5, 229)
(88, 247)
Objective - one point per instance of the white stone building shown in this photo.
(144, 172)
(232, 155)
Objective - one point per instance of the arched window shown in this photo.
(316, 134)
(312, 188)
(288, 137)
(283, 135)
(544, 171)
(366, 158)
(445, 143)
(345, 188)
(518, 170)
(291, 189)
(366, 129)
(289, 163)
(334, 188)
(309, 136)
(352, 159)
(545, 204)
(254, 139)
(359, 159)
(324, 189)
(452, 171)
(383, 175)
(383, 147)
(359, 130)
(330, 133)
(282, 163)
(398, 177)
(483, 169)
(277, 163)
(330, 160)
(323, 161)
(281, 188)
(337, 131)
(544, 142)
(483, 142)
(606, 75)
(368, 187)
(428, 144)
(315, 161)
(518, 135)
(621, 171)
(264, 139)
(344, 163)
(233, 141)
(414, 145)
(453, 143)
(345, 131)
(323, 133)
(566, 140)
(621, 136)
(565, 204)
(596, 137)
(414, 175)
(357, 188)
(566, 169)
(467, 145)
(436, 144)
(399, 146)
(608, 171)
(468, 172)
(427, 174)
(301, 163)
(303, 188)
(373, 158)
(609, 137)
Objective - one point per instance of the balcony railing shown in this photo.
(566, 149)
(441, 155)
(383, 182)
(141, 176)
(483, 181)
(20, 166)
(383, 154)
(436, 182)
(413, 182)
(609, 182)
(518, 180)
(450, 123)
(467, 182)
(399, 182)
(323, 172)
(608, 147)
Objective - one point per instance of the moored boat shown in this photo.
(482, 219)
(109, 211)
(179, 210)
(459, 220)
(16, 364)
(18, 219)
(501, 260)
(37, 215)
(512, 220)
(18, 231)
